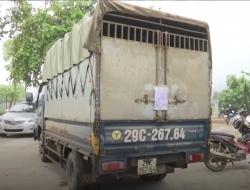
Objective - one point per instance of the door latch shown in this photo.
(145, 99)
(176, 101)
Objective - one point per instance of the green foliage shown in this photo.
(1, 111)
(237, 93)
(33, 31)
(7, 92)
(217, 95)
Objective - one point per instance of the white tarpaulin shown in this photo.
(85, 35)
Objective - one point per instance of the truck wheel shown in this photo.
(148, 178)
(75, 169)
(161, 177)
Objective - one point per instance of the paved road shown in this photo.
(21, 169)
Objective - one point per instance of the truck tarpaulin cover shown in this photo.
(85, 35)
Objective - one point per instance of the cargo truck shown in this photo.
(126, 91)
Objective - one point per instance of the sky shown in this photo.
(229, 30)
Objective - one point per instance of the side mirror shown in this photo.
(29, 97)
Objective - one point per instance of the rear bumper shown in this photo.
(178, 159)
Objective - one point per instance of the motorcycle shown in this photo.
(229, 113)
(224, 149)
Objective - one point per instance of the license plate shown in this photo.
(146, 167)
(12, 127)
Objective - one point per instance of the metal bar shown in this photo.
(128, 25)
(153, 37)
(189, 44)
(128, 32)
(179, 41)
(110, 22)
(168, 40)
(135, 34)
(141, 35)
(194, 43)
(147, 36)
(184, 42)
(157, 69)
(174, 41)
(158, 38)
(187, 36)
(102, 28)
(198, 45)
(115, 30)
(109, 29)
(51, 159)
(203, 46)
(68, 143)
(122, 32)
(149, 22)
(50, 149)
(165, 59)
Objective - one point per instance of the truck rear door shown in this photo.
(134, 64)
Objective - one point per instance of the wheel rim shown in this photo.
(72, 171)
(212, 162)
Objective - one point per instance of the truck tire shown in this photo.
(161, 176)
(148, 178)
(75, 169)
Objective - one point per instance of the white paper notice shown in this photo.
(161, 98)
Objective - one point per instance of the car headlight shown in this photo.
(32, 120)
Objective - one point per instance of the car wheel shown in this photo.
(3, 135)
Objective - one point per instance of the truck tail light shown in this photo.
(195, 157)
(112, 166)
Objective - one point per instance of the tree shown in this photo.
(217, 95)
(33, 31)
(9, 94)
(237, 93)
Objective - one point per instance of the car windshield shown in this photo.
(23, 108)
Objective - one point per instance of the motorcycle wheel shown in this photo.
(223, 162)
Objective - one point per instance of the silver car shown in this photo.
(20, 119)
